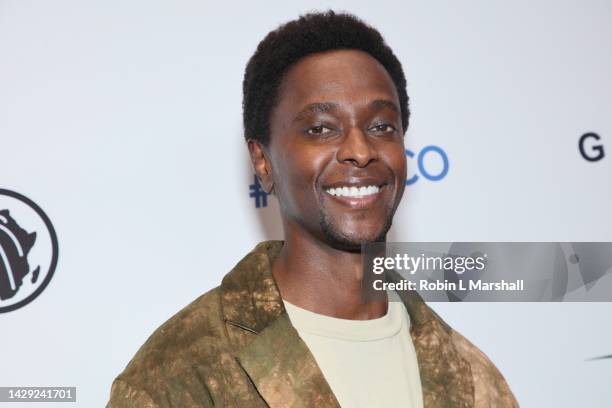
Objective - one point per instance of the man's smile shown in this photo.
(353, 191)
(356, 194)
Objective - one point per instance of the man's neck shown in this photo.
(317, 277)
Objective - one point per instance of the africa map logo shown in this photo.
(28, 250)
(15, 244)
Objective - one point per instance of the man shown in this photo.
(325, 112)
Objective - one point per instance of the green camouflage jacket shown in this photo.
(235, 346)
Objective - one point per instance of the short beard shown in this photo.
(342, 241)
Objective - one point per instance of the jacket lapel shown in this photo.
(268, 348)
(282, 368)
(446, 377)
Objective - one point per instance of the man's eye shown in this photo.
(318, 130)
(384, 128)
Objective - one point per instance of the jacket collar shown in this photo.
(282, 367)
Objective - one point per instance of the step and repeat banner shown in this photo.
(126, 189)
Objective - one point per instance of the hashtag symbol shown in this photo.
(260, 196)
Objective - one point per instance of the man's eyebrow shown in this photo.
(319, 107)
(383, 103)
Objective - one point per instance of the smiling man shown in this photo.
(325, 112)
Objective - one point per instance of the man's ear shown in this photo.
(261, 165)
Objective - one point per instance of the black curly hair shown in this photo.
(309, 34)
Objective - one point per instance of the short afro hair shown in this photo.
(311, 33)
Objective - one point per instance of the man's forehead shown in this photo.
(330, 107)
(334, 75)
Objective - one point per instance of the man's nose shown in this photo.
(356, 148)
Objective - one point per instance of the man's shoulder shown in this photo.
(192, 340)
(199, 321)
(198, 333)
(490, 386)
(189, 360)
(449, 362)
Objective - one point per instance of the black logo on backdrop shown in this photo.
(28, 250)
(596, 151)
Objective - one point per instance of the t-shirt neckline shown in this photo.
(316, 324)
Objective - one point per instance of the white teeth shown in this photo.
(353, 191)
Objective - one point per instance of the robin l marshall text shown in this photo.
(439, 285)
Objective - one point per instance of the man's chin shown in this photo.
(351, 245)
(352, 241)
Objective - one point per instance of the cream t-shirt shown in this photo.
(367, 363)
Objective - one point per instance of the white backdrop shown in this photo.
(122, 120)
